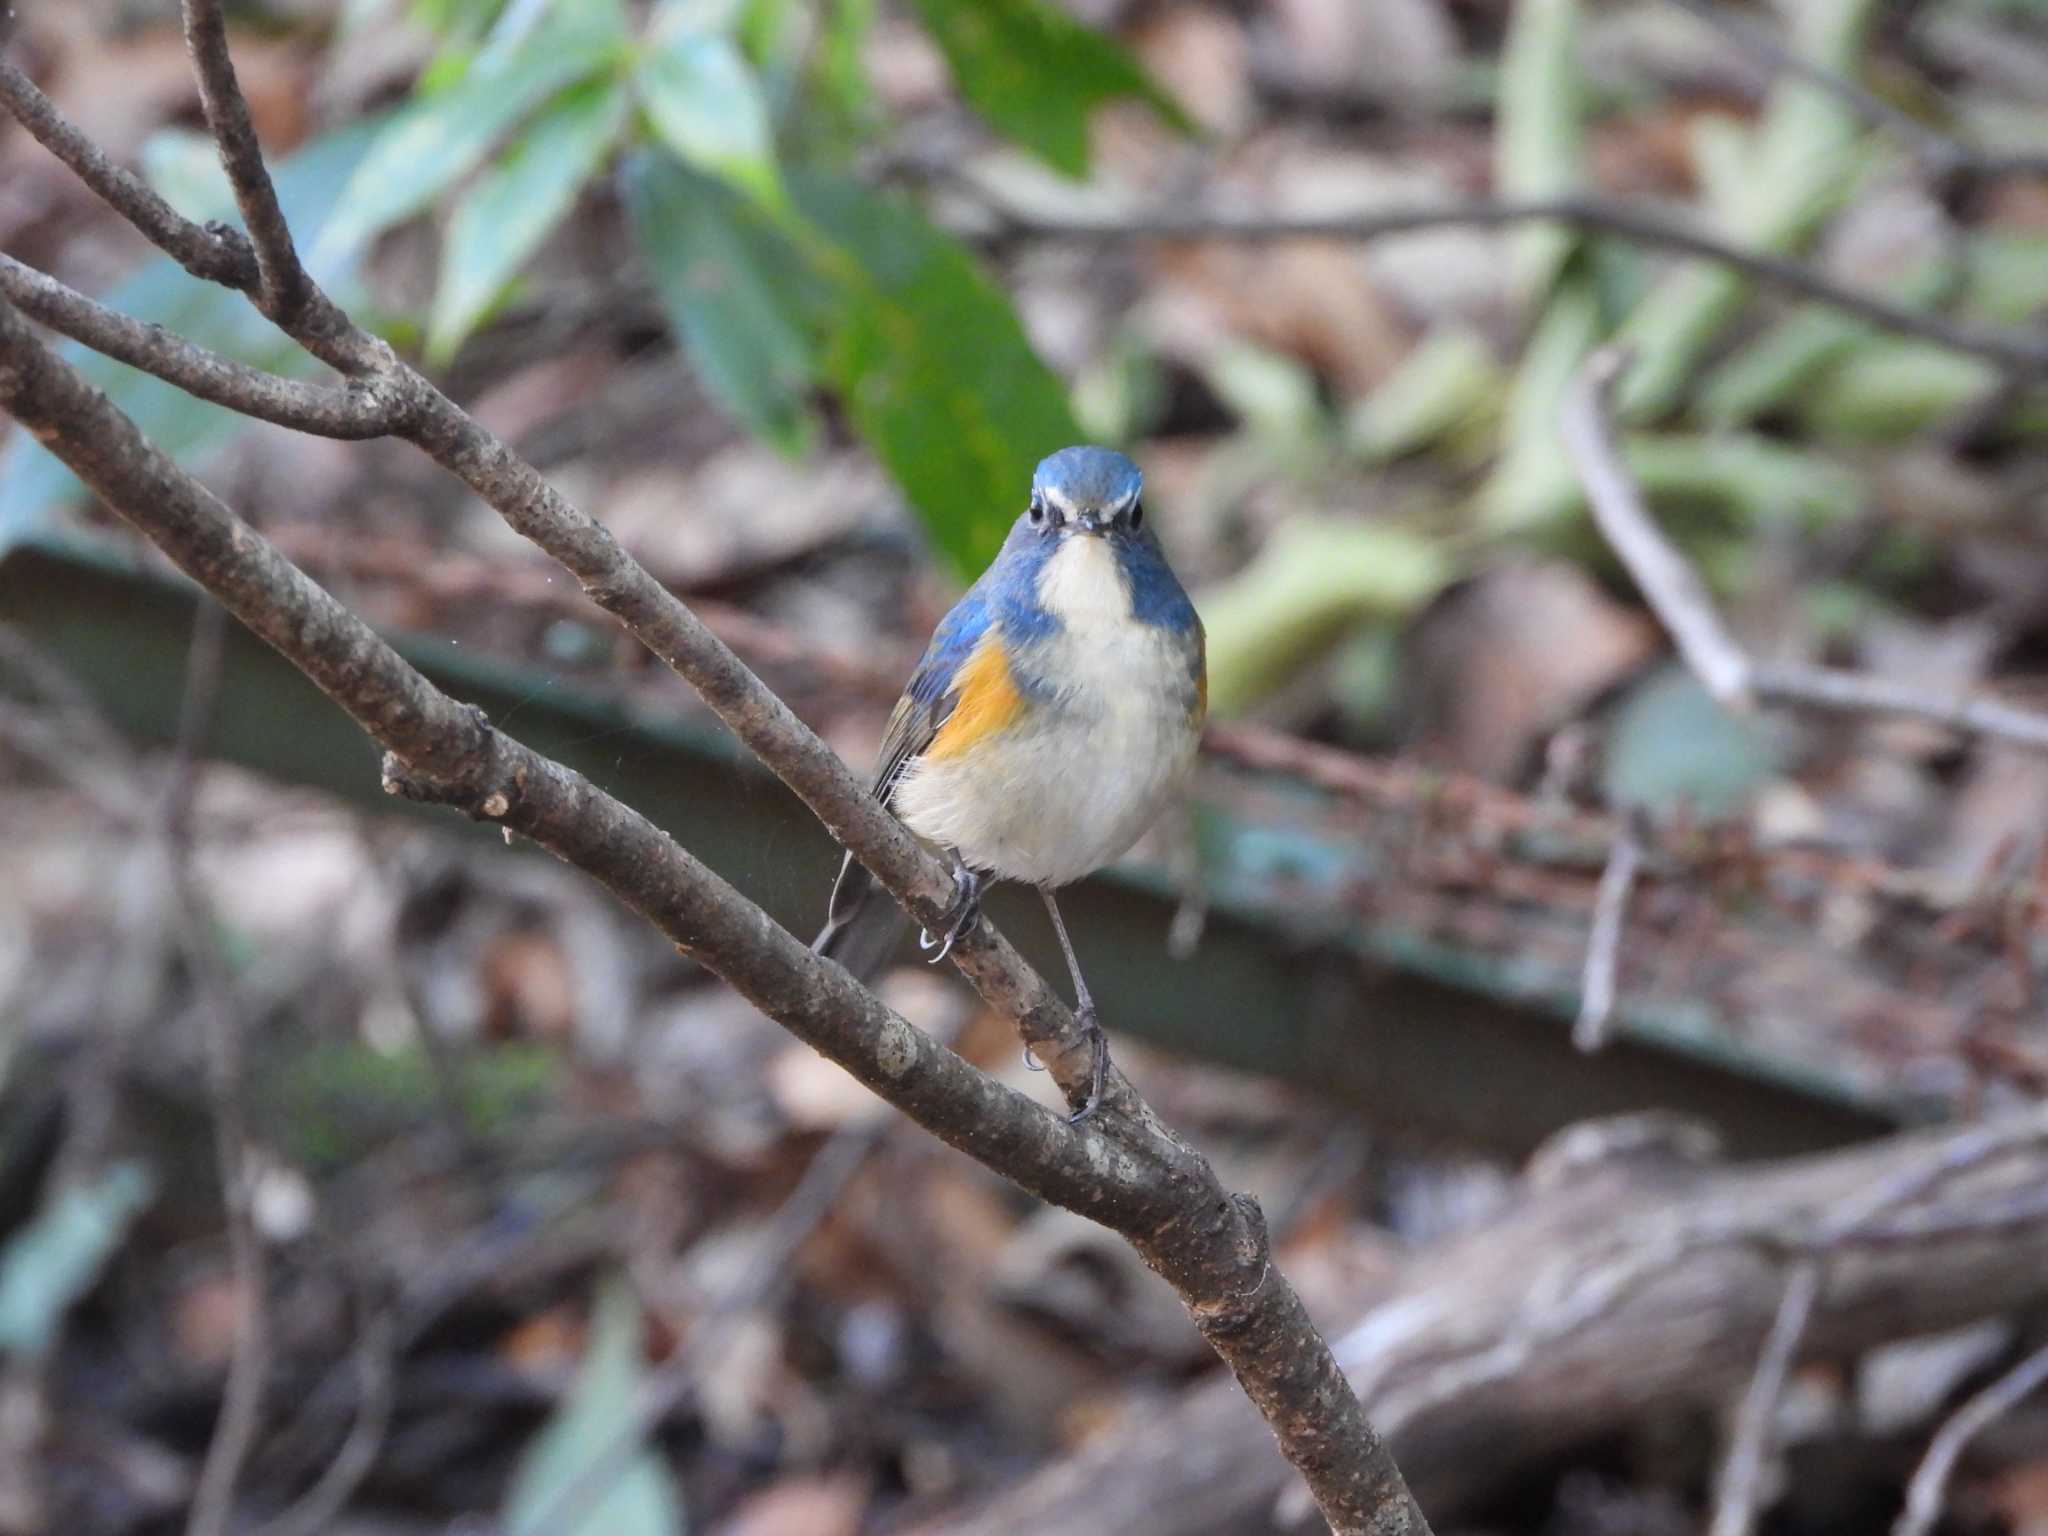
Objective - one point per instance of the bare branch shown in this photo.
(316, 1510)
(285, 288)
(1603, 947)
(620, 585)
(215, 252)
(1832, 688)
(1929, 1488)
(1678, 597)
(2022, 351)
(1738, 1494)
(1125, 1170)
(358, 410)
(1670, 584)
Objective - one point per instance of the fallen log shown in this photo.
(1637, 1276)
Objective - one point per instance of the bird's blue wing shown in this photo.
(930, 698)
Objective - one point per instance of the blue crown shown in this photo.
(1089, 477)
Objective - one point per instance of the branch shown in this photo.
(1603, 947)
(217, 253)
(284, 288)
(2022, 351)
(1126, 1171)
(1925, 1494)
(358, 410)
(1675, 593)
(622, 587)
(1737, 1495)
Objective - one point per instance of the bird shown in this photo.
(1053, 716)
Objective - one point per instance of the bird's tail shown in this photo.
(863, 924)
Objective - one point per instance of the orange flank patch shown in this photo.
(989, 700)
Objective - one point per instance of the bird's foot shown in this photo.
(1098, 1071)
(960, 916)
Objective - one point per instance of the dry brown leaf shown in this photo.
(1508, 658)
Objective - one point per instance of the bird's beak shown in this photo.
(1089, 522)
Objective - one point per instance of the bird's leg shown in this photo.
(1084, 1014)
(961, 915)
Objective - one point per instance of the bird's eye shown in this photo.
(1137, 515)
(1037, 511)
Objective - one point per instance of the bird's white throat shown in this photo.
(1082, 585)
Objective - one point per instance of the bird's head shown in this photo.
(1086, 491)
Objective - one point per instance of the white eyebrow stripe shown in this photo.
(1058, 498)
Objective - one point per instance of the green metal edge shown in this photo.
(1423, 1041)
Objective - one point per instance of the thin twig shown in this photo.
(1673, 589)
(1603, 946)
(1928, 1491)
(1833, 688)
(1737, 1496)
(353, 411)
(2023, 351)
(315, 1511)
(216, 252)
(1679, 598)
(249, 1365)
(285, 287)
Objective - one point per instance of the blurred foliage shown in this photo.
(1675, 751)
(333, 1101)
(779, 275)
(594, 1419)
(56, 1259)
(733, 126)
(1037, 75)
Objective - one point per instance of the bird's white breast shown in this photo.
(1106, 740)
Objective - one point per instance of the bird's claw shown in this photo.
(960, 917)
(1098, 1072)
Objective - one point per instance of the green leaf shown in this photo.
(1038, 75)
(743, 302)
(842, 57)
(706, 104)
(503, 218)
(1540, 149)
(1447, 382)
(1314, 580)
(642, 1500)
(1534, 480)
(1803, 160)
(437, 139)
(54, 1260)
(934, 368)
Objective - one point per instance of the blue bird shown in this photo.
(1054, 715)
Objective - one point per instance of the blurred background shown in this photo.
(793, 294)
